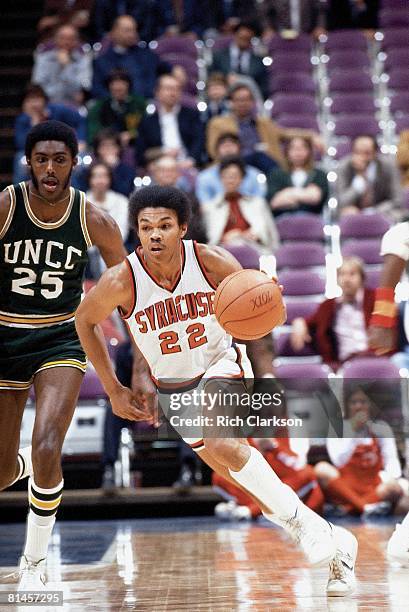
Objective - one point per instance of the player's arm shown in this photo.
(218, 263)
(105, 234)
(383, 324)
(5, 205)
(112, 290)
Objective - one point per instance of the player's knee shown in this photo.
(227, 451)
(325, 472)
(7, 475)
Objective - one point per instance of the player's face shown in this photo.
(349, 279)
(160, 233)
(359, 403)
(51, 164)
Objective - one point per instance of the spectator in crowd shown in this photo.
(402, 157)
(216, 92)
(115, 204)
(239, 57)
(35, 109)
(167, 172)
(177, 129)
(121, 111)
(59, 12)
(259, 136)
(304, 16)
(232, 217)
(108, 149)
(367, 179)
(124, 53)
(339, 326)
(301, 187)
(364, 476)
(288, 458)
(153, 17)
(208, 182)
(347, 14)
(65, 71)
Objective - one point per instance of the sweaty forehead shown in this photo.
(51, 147)
(156, 215)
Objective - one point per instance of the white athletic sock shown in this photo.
(41, 518)
(259, 478)
(405, 522)
(24, 463)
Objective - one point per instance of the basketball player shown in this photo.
(165, 291)
(46, 227)
(382, 338)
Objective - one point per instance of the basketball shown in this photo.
(248, 304)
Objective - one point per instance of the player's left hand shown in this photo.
(146, 397)
(125, 405)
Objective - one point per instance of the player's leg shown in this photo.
(337, 488)
(57, 391)
(12, 466)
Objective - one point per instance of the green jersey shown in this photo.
(41, 264)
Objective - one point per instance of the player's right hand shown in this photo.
(382, 340)
(125, 405)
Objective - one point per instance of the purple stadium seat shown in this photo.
(188, 63)
(399, 101)
(394, 4)
(370, 368)
(402, 122)
(91, 387)
(397, 58)
(247, 255)
(354, 125)
(363, 225)
(301, 43)
(394, 18)
(300, 255)
(219, 43)
(368, 250)
(395, 37)
(189, 100)
(348, 57)
(399, 79)
(303, 376)
(300, 227)
(297, 283)
(299, 309)
(176, 44)
(352, 103)
(349, 81)
(307, 122)
(299, 82)
(283, 348)
(346, 39)
(289, 62)
(290, 103)
(343, 148)
(372, 278)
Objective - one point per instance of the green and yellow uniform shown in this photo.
(41, 274)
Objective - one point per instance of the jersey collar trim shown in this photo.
(42, 224)
(138, 252)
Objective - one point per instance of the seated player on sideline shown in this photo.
(164, 285)
(46, 227)
(288, 458)
(365, 471)
(383, 337)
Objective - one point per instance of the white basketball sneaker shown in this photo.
(313, 534)
(32, 575)
(341, 580)
(398, 546)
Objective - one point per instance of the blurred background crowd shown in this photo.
(287, 124)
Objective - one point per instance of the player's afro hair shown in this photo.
(51, 130)
(157, 196)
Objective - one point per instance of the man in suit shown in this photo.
(176, 129)
(339, 326)
(239, 58)
(140, 63)
(368, 180)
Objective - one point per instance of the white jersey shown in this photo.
(176, 330)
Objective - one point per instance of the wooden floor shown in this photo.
(202, 565)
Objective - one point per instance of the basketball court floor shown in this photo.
(200, 564)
